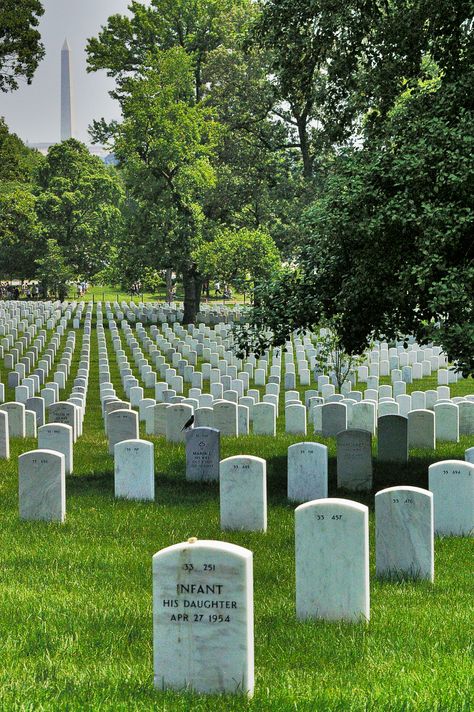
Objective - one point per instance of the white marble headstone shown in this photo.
(243, 493)
(452, 484)
(404, 533)
(42, 486)
(203, 618)
(332, 560)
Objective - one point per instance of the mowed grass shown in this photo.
(76, 606)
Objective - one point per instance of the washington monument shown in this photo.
(66, 96)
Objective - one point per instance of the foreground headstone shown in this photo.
(354, 460)
(332, 560)
(42, 486)
(243, 493)
(307, 472)
(203, 618)
(452, 484)
(202, 454)
(134, 465)
(404, 533)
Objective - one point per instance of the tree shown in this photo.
(164, 145)
(20, 42)
(389, 243)
(20, 232)
(241, 258)
(17, 162)
(79, 201)
(52, 271)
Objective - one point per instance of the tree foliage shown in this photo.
(78, 204)
(20, 42)
(52, 271)
(389, 242)
(241, 258)
(20, 232)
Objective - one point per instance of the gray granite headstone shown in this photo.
(354, 460)
(392, 439)
(202, 454)
(334, 419)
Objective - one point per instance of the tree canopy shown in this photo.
(78, 204)
(388, 244)
(21, 49)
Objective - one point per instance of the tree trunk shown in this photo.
(305, 147)
(192, 283)
(169, 284)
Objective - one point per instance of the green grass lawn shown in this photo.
(76, 606)
(112, 293)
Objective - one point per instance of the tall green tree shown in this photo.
(388, 245)
(241, 258)
(52, 271)
(17, 162)
(20, 232)
(164, 144)
(79, 206)
(21, 49)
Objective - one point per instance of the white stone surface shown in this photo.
(134, 470)
(42, 486)
(446, 422)
(332, 560)
(202, 454)
(226, 418)
(307, 472)
(16, 418)
(121, 425)
(264, 419)
(421, 429)
(4, 436)
(243, 493)
(177, 415)
(295, 419)
(404, 534)
(203, 618)
(452, 484)
(333, 419)
(58, 438)
(354, 460)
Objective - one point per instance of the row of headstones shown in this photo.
(172, 313)
(234, 391)
(446, 422)
(203, 590)
(42, 472)
(28, 420)
(24, 318)
(17, 353)
(27, 412)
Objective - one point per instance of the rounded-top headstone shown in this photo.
(203, 618)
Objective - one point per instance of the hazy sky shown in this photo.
(33, 112)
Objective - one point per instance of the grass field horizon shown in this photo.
(76, 614)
